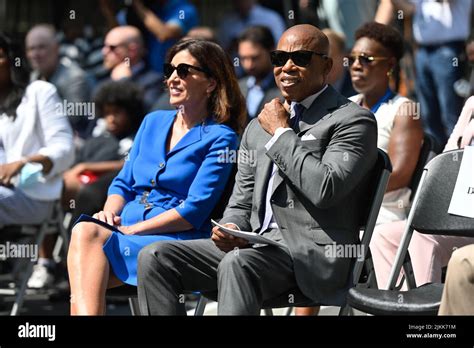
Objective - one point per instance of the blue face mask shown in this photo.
(30, 174)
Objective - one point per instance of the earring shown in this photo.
(390, 72)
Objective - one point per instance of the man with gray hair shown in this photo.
(42, 52)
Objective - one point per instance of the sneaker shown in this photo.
(41, 277)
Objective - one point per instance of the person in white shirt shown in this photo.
(36, 147)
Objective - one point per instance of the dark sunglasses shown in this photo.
(182, 70)
(363, 59)
(113, 47)
(300, 58)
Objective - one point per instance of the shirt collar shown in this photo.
(308, 101)
(264, 84)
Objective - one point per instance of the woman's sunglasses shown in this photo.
(300, 58)
(182, 70)
(363, 59)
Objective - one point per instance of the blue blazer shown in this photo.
(190, 178)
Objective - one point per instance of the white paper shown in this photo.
(462, 201)
(251, 237)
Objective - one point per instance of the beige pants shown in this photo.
(428, 253)
(458, 295)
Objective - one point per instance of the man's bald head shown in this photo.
(306, 36)
(42, 48)
(121, 43)
(297, 82)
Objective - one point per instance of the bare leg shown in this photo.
(306, 311)
(89, 269)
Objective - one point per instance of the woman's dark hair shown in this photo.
(386, 35)
(124, 94)
(19, 75)
(259, 35)
(226, 102)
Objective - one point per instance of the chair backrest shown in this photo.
(429, 150)
(434, 197)
(377, 186)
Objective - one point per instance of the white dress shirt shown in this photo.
(40, 127)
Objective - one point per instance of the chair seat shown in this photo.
(424, 300)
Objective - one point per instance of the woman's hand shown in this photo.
(8, 171)
(109, 217)
(127, 230)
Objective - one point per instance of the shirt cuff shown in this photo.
(279, 131)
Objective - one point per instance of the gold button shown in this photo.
(152, 182)
(162, 165)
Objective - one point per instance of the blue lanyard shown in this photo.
(387, 96)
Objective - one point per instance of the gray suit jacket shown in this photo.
(316, 192)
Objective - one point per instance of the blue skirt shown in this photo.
(122, 250)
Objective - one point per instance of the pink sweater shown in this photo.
(464, 127)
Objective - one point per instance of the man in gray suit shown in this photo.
(303, 188)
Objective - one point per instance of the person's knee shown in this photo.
(154, 256)
(233, 262)
(85, 232)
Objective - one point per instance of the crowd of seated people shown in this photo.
(149, 163)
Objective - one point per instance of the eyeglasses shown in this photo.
(182, 70)
(301, 58)
(363, 59)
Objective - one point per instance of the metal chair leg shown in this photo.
(29, 270)
(134, 306)
(201, 306)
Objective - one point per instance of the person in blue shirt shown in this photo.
(163, 22)
(175, 174)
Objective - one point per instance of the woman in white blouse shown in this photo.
(34, 133)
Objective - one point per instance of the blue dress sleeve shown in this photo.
(123, 183)
(209, 183)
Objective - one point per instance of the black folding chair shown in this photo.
(428, 215)
(54, 223)
(373, 200)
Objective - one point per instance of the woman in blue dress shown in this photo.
(172, 179)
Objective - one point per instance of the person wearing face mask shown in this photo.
(313, 154)
(172, 179)
(36, 147)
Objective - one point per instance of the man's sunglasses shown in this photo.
(114, 47)
(363, 59)
(182, 70)
(300, 58)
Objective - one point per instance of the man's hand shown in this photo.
(225, 241)
(8, 171)
(273, 116)
(108, 217)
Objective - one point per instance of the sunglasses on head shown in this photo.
(363, 59)
(182, 70)
(300, 58)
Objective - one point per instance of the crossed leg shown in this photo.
(89, 269)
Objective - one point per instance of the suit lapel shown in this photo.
(318, 111)
(265, 166)
(192, 136)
